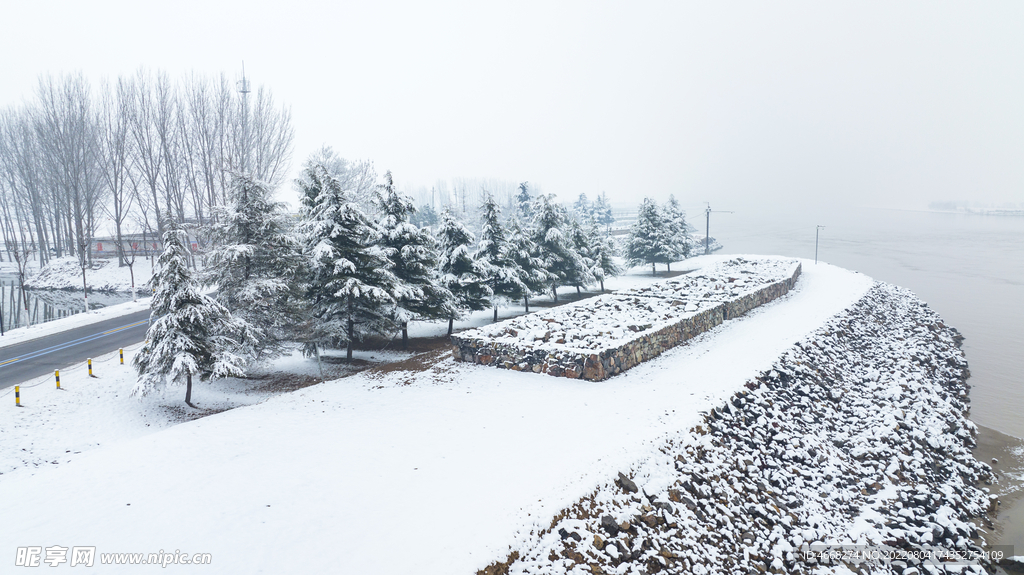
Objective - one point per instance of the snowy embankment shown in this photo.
(66, 274)
(602, 337)
(433, 471)
(856, 440)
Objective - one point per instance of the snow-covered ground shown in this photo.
(66, 274)
(385, 471)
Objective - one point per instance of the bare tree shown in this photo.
(115, 157)
(357, 179)
(270, 139)
(67, 136)
(148, 154)
(166, 122)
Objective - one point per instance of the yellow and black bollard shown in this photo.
(17, 395)
(122, 355)
(56, 375)
(90, 368)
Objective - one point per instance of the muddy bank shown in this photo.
(1005, 454)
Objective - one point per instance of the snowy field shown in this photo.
(435, 471)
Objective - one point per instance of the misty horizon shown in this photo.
(789, 104)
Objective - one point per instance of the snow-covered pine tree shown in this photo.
(425, 217)
(494, 253)
(603, 252)
(523, 251)
(255, 265)
(351, 288)
(583, 275)
(647, 242)
(555, 249)
(413, 253)
(524, 203)
(676, 237)
(462, 275)
(189, 333)
(582, 208)
(603, 211)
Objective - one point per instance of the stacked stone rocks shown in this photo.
(604, 336)
(852, 454)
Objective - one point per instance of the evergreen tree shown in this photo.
(255, 266)
(189, 333)
(425, 217)
(525, 202)
(555, 249)
(603, 252)
(603, 211)
(582, 208)
(583, 275)
(494, 254)
(351, 288)
(462, 275)
(647, 243)
(677, 243)
(523, 252)
(413, 254)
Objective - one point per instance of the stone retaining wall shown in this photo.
(600, 364)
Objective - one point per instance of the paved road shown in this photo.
(41, 356)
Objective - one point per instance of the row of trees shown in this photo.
(140, 152)
(344, 273)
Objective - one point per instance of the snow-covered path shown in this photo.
(367, 475)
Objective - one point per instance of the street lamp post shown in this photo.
(816, 231)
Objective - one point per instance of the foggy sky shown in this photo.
(737, 103)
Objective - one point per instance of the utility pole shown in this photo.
(707, 226)
(816, 231)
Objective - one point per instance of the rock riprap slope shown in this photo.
(604, 336)
(858, 436)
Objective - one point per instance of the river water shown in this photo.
(969, 268)
(46, 305)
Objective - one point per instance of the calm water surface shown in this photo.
(46, 305)
(969, 268)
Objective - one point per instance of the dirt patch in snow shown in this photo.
(183, 413)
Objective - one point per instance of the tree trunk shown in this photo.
(495, 313)
(578, 290)
(554, 293)
(602, 284)
(351, 331)
(451, 324)
(668, 266)
(526, 302)
(405, 335)
(85, 290)
(188, 390)
(131, 270)
(654, 270)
